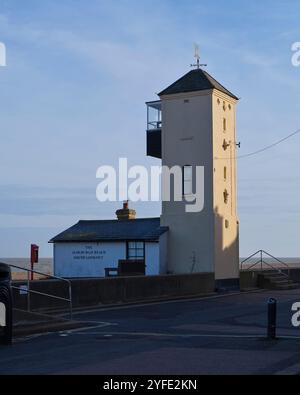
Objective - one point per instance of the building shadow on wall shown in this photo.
(226, 252)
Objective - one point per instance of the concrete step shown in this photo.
(274, 275)
(286, 286)
(270, 272)
(275, 280)
(281, 281)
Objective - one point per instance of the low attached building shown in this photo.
(100, 247)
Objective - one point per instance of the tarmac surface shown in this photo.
(225, 334)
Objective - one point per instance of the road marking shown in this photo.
(85, 328)
(291, 370)
(62, 333)
(155, 334)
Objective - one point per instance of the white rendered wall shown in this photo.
(226, 237)
(86, 259)
(163, 253)
(152, 258)
(73, 260)
(187, 140)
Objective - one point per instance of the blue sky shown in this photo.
(72, 98)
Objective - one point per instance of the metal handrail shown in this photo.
(35, 271)
(29, 291)
(41, 293)
(276, 259)
(156, 124)
(254, 264)
(249, 257)
(278, 270)
(261, 261)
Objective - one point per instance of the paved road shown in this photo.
(222, 335)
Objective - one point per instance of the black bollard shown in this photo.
(6, 299)
(272, 312)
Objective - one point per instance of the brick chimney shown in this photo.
(125, 212)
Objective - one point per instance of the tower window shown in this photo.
(225, 195)
(226, 223)
(225, 173)
(187, 180)
(225, 145)
(224, 125)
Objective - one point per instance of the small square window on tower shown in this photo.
(187, 180)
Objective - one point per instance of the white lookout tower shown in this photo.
(194, 124)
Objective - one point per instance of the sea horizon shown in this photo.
(45, 264)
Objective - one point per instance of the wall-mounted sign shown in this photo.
(89, 253)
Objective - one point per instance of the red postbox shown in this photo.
(34, 256)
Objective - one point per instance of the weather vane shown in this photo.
(197, 56)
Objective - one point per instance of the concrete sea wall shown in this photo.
(93, 292)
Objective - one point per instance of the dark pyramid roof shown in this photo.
(147, 229)
(195, 80)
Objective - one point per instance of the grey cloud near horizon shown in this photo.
(30, 201)
(61, 201)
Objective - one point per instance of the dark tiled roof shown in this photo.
(113, 230)
(195, 80)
